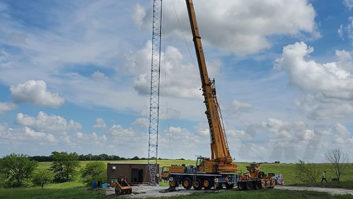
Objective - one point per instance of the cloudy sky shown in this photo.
(74, 76)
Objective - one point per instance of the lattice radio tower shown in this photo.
(154, 95)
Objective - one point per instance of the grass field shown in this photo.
(77, 190)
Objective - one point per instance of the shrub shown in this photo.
(307, 173)
(94, 171)
(42, 177)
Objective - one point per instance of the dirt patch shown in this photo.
(332, 191)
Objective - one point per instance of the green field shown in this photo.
(76, 189)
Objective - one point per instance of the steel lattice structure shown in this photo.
(154, 92)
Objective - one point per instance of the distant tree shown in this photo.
(42, 177)
(94, 171)
(16, 168)
(64, 166)
(307, 173)
(338, 160)
(135, 158)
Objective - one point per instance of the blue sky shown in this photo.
(74, 77)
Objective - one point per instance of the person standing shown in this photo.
(323, 177)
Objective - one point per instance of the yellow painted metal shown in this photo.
(221, 160)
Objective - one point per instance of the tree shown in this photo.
(94, 171)
(307, 173)
(16, 168)
(337, 158)
(64, 166)
(42, 177)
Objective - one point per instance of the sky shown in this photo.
(74, 76)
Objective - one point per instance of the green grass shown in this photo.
(263, 194)
(69, 190)
(77, 189)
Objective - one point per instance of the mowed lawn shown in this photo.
(77, 189)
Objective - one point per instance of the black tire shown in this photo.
(118, 191)
(197, 184)
(249, 185)
(187, 183)
(219, 186)
(257, 185)
(229, 186)
(241, 186)
(207, 183)
(173, 184)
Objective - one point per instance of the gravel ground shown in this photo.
(145, 191)
(332, 191)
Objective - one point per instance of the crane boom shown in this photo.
(220, 155)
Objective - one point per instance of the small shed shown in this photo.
(136, 173)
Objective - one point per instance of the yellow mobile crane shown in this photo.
(219, 170)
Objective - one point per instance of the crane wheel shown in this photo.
(229, 186)
(257, 185)
(173, 184)
(197, 184)
(187, 183)
(263, 184)
(249, 185)
(207, 184)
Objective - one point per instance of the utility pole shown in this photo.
(154, 92)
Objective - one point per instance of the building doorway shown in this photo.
(136, 176)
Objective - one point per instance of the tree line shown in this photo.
(88, 157)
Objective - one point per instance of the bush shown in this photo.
(42, 177)
(307, 173)
(94, 171)
(64, 166)
(15, 169)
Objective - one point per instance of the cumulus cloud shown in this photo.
(178, 78)
(100, 123)
(329, 85)
(48, 123)
(39, 135)
(35, 91)
(244, 26)
(4, 107)
(141, 122)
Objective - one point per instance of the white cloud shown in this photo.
(244, 26)
(4, 107)
(332, 80)
(35, 91)
(99, 76)
(346, 31)
(39, 135)
(240, 106)
(141, 122)
(48, 123)
(329, 85)
(348, 3)
(178, 78)
(100, 123)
